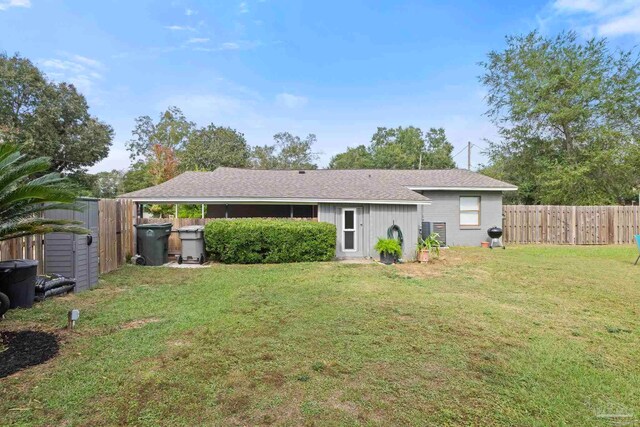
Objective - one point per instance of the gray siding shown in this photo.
(373, 223)
(445, 206)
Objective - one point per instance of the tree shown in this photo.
(438, 150)
(399, 148)
(137, 177)
(288, 152)
(172, 131)
(27, 189)
(354, 158)
(214, 146)
(568, 114)
(49, 119)
(107, 185)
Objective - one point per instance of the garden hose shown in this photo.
(391, 230)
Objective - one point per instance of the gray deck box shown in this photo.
(192, 240)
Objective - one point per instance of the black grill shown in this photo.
(495, 232)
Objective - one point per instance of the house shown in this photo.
(363, 204)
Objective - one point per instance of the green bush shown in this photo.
(254, 241)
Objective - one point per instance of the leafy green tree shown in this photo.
(137, 177)
(354, 158)
(172, 131)
(568, 114)
(438, 150)
(288, 152)
(44, 118)
(107, 185)
(214, 146)
(399, 148)
(27, 188)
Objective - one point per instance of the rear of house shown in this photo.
(363, 204)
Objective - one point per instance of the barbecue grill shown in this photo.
(496, 237)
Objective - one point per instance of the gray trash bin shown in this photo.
(153, 243)
(192, 239)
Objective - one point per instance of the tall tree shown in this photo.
(399, 148)
(107, 184)
(172, 131)
(568, 114)
(288, 152)
(354, 158)
(215, 146)
(45, 118)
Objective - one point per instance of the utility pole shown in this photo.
(469, 155)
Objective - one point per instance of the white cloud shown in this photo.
(190, 12)
(4, 5)
(81, 71)
(288, 100)
(230, 46)
(610, 18)
(243, 7)
(198, 40)
(179, 28)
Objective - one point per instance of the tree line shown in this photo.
(567, 113)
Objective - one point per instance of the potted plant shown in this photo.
(428, 246)
(389, 249)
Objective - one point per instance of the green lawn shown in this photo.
(534, 335)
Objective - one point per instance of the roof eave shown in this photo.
(268, 200)
(416, 188)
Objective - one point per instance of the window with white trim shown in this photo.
(469, 211)
(349, 230)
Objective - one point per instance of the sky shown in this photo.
(338, 69)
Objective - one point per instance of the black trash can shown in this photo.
(153, 243)
(18, 281)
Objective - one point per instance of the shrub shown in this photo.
(254, 241)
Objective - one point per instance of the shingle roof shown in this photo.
(323, 184)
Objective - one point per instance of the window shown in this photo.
(469, 211)
(348, 230)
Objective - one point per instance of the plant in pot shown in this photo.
(389, 249)
(427, 247)
(27, 188)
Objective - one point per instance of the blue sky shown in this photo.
(337, 69)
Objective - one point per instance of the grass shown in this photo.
(532, 335)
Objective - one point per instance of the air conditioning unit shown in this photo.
(435, 227)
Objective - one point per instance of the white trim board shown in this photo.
(463, 188)
(263, 201)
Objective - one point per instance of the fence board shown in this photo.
(570, 225)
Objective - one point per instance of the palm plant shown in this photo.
(23, 198)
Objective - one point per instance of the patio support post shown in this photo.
(176, 211)
(203, 211)
(291, 210)
(226, 211)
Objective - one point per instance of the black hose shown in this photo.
(395, 228)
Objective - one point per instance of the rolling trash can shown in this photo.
(153, 243)
(18, 281)
(192, 239)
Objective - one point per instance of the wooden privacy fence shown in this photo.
(570, 225)
(116, 227)
(115, 235)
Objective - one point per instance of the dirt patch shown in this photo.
(22, 349)
(136, 324)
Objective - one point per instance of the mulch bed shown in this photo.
(25, 348)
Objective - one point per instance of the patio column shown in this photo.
(176, 211)
(203, 211)
(291, 211)
(226, 211)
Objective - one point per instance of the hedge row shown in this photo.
(254, 241)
